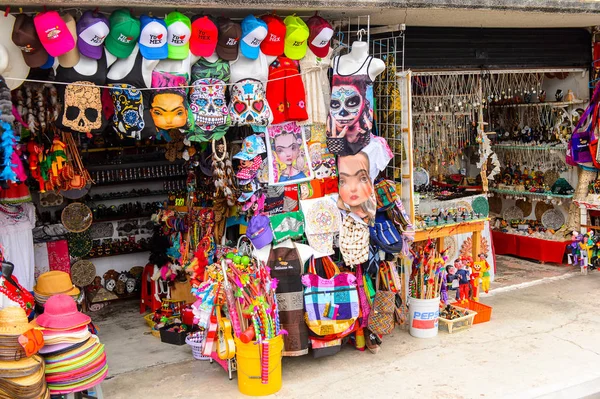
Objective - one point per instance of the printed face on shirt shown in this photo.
(168, 111)
(287, 148)
(346, 105)
(355, 184)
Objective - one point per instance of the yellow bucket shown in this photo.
(249, 367)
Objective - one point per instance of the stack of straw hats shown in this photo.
(52, 283)
(20, 376)
(75, 358)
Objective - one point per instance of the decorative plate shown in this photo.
(525, 206)
(450, 247)
(553, 219)
(101, 230)
(465, 205)
(77, 217)
(481, 205)
(495, 205)
(512, 213)
(540, 209)
(76, 193)
(83, 273)
(420, 177)
(51, 198)
(80, 244)
(550, 177)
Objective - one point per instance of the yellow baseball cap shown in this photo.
(296, 37)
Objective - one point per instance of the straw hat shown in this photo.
(61, 312)
(55, 282)
(13, 321)
(16, 66)
(20, 368)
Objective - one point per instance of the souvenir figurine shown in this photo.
(463, 282)
(452, 278)
(485, 272)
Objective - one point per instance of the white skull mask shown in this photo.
(130, 285)
(110, 285)
(123, 277)
(83, 107)
(208, 103)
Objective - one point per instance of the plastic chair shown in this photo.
(148, 299)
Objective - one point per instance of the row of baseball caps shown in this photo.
(49, 35)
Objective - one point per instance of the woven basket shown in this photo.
(196, 341)
(77, 217)
(83, 273)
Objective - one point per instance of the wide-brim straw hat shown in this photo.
(20, 368)
(30, 386)
(13, 321)
(55, 282)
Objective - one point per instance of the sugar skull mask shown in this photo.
(208, 105)
(83, 107)
(249, 105)
(129, 109)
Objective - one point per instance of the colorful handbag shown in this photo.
(381, 318)
(331, 305)
(385, 194)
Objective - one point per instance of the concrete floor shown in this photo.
(542, 342)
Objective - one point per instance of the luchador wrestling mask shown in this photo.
(129, 109)
(208, 104)
(346, 104)
(83, 107)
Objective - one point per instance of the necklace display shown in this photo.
(14, 212)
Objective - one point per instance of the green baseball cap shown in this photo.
(179, 31)
(296, 37)
(123, 35)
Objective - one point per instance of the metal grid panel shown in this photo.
(388, 100)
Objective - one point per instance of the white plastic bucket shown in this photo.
(423, 317)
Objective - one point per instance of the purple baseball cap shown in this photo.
(259, 231)
(92, 29)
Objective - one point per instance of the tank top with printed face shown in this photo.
(132, 107)
(208, 101)
(351, 107)
(82, 100)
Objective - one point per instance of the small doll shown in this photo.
(485, 272)
(463, 282)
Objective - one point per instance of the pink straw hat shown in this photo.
(61, 312)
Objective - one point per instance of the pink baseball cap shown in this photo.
(53, 33)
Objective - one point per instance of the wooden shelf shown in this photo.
(591, 227)
(141, 180)
(122, 218)
(111, 255)
(449, 230)
(544, 104)
(529, 147)
(544, 194)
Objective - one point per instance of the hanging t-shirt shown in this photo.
(82, 100)
(131, 117)
(207, 100)
(351, 109)
(316, 84)
(16, 238)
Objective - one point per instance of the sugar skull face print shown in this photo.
(83, 107)
(347, 105)
(208, 104)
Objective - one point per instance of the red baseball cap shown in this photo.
(205, 35)
(275, 40)
(320, 35)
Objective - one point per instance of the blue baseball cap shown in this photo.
(49, 64)
(153, 38)
(254, 31)
(251, 147)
